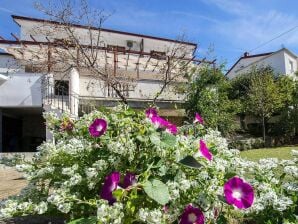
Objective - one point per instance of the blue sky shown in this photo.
(230, 27)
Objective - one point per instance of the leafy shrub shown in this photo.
(119, 166)
(246, 144)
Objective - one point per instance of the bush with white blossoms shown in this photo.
(122, 166)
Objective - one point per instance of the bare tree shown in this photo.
(59, 46)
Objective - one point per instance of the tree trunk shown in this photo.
(264, 129)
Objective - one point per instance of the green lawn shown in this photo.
(280, 153)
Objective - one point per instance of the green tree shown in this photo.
(264, 96)
(208, 94)
(289, 118)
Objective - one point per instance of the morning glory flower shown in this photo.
(98, 127)
(159, 121)
(172, 129)
(198, 119)
(204, 151)
(192, 215)
(163, 123)
(110, 184)
(238, 193)
(151, 112)
(129, 180)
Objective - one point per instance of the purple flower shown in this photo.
(151, 112)
(192, 215)
(159, 121)
(129, 180)
(110, 184)
(198, 118)
(98, 127)
(172, 129)
(162, 123)
(204, 151)
(238, 193)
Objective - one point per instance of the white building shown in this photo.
(282, 61)
(25, 92)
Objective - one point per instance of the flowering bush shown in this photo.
(120, 166)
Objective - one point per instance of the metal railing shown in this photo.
(58, 97)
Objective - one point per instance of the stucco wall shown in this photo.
(288, 58)
(9, 64)
(143, 89)
(21, 90)
(111, 38)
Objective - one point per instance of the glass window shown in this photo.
(61, 87)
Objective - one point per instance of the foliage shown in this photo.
(66, 176)
(208, 94)
(264, 95)
(247, 143)
(288, 122)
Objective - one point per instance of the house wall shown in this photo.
(242, 64)
(142, 89)
(288, 58)
(279, 61)
(276, 61)
(54, 31)
(21, 90)
(8, 64)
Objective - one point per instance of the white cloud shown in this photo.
(230, 6)
(249, 26)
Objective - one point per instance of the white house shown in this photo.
(25, 92)
(282, 61)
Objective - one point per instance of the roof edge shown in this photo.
(103, 29)
(249, 56)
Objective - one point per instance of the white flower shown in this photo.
(75, 179)
(294, 152)
(41, 208)
(64, 207)
(110, 214)
(291, 170)
(150, 216)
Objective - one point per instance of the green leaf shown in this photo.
(140, 138)
(89, 220)
(118, 194)
(158, 191)
(230, 175)
(191, 162)
(155, 139)
(222, 199)
(168, 139)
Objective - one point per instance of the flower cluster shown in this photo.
(160, 122)
(123, 166)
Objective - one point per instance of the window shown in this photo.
(61, 88)
(158, 55)
(291, 66)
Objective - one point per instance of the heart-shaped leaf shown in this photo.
(191, 162)
(158, 191)
(168, 139)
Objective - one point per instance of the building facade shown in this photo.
(283, 62)
(31, 83)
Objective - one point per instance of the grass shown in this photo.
(279, 152)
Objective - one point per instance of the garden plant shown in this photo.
(122, 166)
